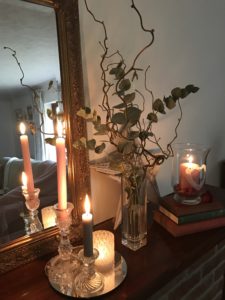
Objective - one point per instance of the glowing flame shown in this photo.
(22, 128)
(87, 205)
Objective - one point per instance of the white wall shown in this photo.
(189, 48)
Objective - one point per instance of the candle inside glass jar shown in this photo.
(189, 177)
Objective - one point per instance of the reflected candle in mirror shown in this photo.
(87, 221)
(24, 181)
(26, 157)
(189, 178)
(48, 216)
(61, 168)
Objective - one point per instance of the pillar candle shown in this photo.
(87, 221)
(26, 158)
(103, 241)
(61, 169)
(189, 177)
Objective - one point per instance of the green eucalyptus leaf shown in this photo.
(50, 114)
(125, 147)
(184, 93)
(125, 85)
(159, 106)
(82, 113)
(120, 64)
(119, 118)
(176, 93)
(133, 114)
(121, 105)
(129, 98)
(152, 117)
(91, 144)
(120, 93)
(119, 74)
(101, 129)
(143, 135)
(100, 148)
(50, 141)
(133, 135)
(191, 88)
(113, 71)
(170, 102)
(87, 110)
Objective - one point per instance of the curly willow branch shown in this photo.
(35, 94)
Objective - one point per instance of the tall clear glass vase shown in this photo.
(134, 208)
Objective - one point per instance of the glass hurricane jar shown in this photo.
(189, 172)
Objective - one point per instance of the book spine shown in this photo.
(181, 230)
(193, 217)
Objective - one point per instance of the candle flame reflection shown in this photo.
(60, 129)
(22, 128)
(24, 179)
(87, 205)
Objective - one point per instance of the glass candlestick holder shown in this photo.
(88, 282)
(62, 268)
(31, 219)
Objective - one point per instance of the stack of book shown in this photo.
(180, 219)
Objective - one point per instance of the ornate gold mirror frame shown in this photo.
(26, 249)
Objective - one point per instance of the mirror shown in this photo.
(36, 63)
(66, 14)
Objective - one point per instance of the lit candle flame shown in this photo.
(60, 129)
(24, 179)
(22, 128)
(190, 162)
(87, 205)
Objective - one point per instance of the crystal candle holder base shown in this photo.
(31, 218)
(61, 269)
(88, 282)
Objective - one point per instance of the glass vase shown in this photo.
(134, 207)
(189, 172)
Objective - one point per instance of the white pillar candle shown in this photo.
(48, 216)
(61, 169)
(87, 221)
(26, 158)
(103, 241)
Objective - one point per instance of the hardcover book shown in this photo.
(181, 214)
(184, 229)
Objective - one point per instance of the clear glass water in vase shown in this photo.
(134, 206)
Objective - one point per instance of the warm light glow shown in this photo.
(22, 128)
(87, 205)
(48, 216)
(60, 129)
(24, 179)
(190, 164)
(103, 241)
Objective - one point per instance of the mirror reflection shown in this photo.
(30, 30)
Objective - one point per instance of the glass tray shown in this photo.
(64, 281)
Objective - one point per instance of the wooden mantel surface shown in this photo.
(149, 269)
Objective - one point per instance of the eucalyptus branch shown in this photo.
(125, 126)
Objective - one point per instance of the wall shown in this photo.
(189, 47)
